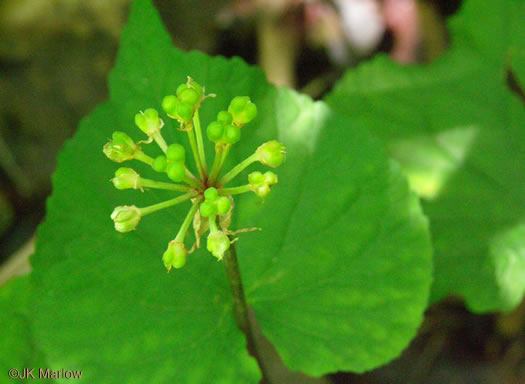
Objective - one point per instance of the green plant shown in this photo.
(338, 278)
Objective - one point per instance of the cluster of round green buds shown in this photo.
(172, 163)
(222, 131)
(211, 199)
(260, 183)
(126, 178)
(242, 110)
(121, 148)
(126, 217)
(182, 106)
(149, 122)
(175, 256)
(214, 204)
(271, 154)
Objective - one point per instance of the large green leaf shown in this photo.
(458, 132)
(17, 344)
(338, 278)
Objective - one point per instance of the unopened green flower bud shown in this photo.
(148, 121)
(126, 217)
(271, 153)
(242, 110)
(208, 209)
(190, 97)
(169, 105)
(218, 243)
(211, 194)
(223, 205)
(160, 163)
(126, 178)
(175, 256)
(120, 138)
(224, 117)
(176, 171)
(121, 148)
(190, 84)
(184, 112)
(232, 134)
(215, 131)
(176, 152)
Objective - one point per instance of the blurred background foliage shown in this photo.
(55, 56)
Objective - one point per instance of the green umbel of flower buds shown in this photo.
(242, 110)
(148, 121)
(260, 183)
(121, 148)
(175, 256)
(126, 218)
(176, 171)
(271, 153)
(160, 163)
(218, 243)
(176, 152)
(126, 178)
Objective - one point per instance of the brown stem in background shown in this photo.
(278, 43)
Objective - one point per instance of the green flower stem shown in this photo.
(187, 221)
(240, 307)
(190, 179)
(213, 223)
(220, 158)
(160, 141)
(200, 142)
(160, 185)
(193, 144)
(238, 169)
(167, 203)
(141, 156)
(236, 190)
(216, 167)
